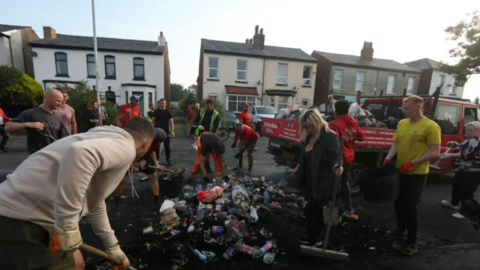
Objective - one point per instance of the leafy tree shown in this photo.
(467, 35)
(176, 92)
(17, 94)
(193, 88)
(79, 96)
(188, 99)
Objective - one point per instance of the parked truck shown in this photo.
(451, 115)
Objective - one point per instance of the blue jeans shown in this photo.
(5, 136)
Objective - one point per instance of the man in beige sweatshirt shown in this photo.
(43, 200)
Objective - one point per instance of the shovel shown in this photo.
(176, 173)
(103, 255)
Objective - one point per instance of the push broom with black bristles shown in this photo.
(324, 252)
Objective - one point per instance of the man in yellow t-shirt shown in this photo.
(416, 142)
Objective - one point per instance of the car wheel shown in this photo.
(353, 169)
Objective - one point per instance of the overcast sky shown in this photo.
(400, 30)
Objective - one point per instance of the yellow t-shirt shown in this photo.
(413, 141)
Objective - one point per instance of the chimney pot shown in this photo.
(49, 32)
(161, 40)
(256, 29)
(261, 31)
(367, 51)
(250, 41)
(161, 33)
(258, 40)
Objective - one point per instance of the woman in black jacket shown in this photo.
(92, 115)
(317, 169)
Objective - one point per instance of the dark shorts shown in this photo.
(251, 146)
(192, 130)
(28, 244)
(147, 170)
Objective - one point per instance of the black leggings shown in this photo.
(406, 206)
(315, 223)
(464, 186)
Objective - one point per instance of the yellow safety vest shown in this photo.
(214, 116)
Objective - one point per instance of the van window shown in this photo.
(448, 118)
(471, 114)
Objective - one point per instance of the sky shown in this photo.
(400, 30)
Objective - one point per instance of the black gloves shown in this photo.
(206, 179)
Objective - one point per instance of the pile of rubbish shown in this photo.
(224, 217)
(292, 113)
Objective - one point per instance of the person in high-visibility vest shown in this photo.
(150, 110)
(209, 118)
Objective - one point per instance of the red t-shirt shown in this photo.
(244, 118)
(347, 126)
(189, 110)
(134, 112)
(248, 135)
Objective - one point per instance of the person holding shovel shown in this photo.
(209, 145)
(39, 220)
(317, 169)
(416, 141)
(248, 140)
(467, 168)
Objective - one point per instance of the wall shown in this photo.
(349, 79)
(16, 50)
(5, 59)
(44, 65)
(227, 75)
(401, 82)
(449, 79)
(322, 78)
(28, 35)
(294, 79)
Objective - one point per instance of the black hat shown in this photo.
(160, 135)
(134, 97)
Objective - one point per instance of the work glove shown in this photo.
(225, 178)
(206, 179)
(385, 161)
(117, 252)
(405, 167)
(62, 240)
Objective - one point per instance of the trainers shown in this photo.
(409, 250)
(304, 241)
(449, 205)
(458, 215)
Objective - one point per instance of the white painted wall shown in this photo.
(44, 65)
(227, 75)
(17, 50)
(449, 79)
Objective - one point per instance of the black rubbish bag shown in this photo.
(379, 185)
(170, 186)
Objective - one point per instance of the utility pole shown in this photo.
(96, 57)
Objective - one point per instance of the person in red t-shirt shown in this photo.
(5, 136)
(345, 125)
(128, 111)
(244, 116)
(249, 139)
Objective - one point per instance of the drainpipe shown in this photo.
(263, 81)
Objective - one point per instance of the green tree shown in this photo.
(18, 95)
(79, 96)
(188, 99)
(176, 92)
(467, 35)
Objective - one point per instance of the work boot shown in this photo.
(4, 149)
(169, 163)
(449, 205)
(409, 250)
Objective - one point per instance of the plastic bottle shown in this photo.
(269, 258)
(210, 255)
(191, 227)
(200, 255)
(261, 251)
(244, 249)
(253, 214)
(266, 196)
(219, 205)
(200, 215)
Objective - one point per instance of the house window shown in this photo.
(337, 79)
(61, 64)
(391, 84)
(282, 74)
(282, 102)
(441, 82)
(272, 101)
(453, 88)
(213, 67)
(411, 85)
(307, 75)
(138, 68)
(305, 102)
(212, 96)
(110, 71)
(242, 70)
(448, 118)
(236, 103)
(91, 67)
(360, 83)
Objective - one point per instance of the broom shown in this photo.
(324, 252)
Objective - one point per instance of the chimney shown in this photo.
(250, 41)
(246, 41)
(49, 32)
(161, 39)
(367, 51)
(258, 39)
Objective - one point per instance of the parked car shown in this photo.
(231, 119)
(259, 112)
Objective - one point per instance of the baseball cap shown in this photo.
(246, 105)
(160, 135)
(133, 97)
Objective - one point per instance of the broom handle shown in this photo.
(334, 195)
(99, 253)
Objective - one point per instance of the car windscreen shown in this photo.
(230, 114)
(266, 110)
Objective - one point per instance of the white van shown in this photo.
(259, 112)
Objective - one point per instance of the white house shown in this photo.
(432, 77)
(14, 49)
(236, 73)
(126, 67)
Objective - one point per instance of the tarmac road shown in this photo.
(441, 241)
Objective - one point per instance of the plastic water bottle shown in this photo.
(261, 251)
(209, 255)
(269, 258)
(266, 196)
(244, 249)
(200, 255)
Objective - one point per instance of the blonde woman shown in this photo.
(467, 167)
(317, 169)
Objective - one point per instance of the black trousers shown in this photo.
(166, 144)
(315, 223)
(5, 136)
(464, 186)
(345, 191)
(406, 206)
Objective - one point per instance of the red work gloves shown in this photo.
(405, 167)
(385, 161)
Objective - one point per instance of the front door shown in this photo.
(141, 104)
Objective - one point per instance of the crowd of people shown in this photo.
(75, 173)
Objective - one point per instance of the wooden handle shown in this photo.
(99, 253)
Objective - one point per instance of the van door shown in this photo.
(448, 118)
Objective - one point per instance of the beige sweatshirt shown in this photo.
(70, 179)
